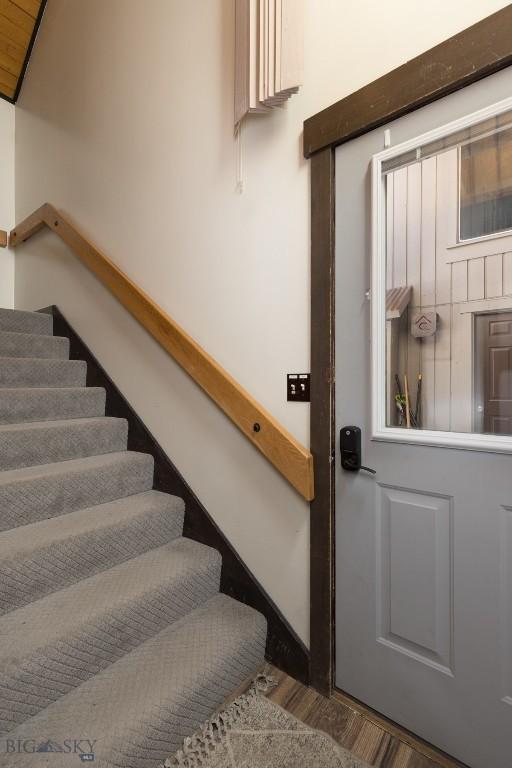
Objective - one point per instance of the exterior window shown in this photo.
(442, 285)
(486, 185)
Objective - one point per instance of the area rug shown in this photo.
(253, 732)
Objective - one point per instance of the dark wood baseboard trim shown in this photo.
(284, 647)
(476, 52)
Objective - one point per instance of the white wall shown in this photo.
(6, 200)
(125, 122)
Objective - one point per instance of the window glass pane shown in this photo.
(486, 185)
(448, 323)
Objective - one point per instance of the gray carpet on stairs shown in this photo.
(36, 493)
(42, 557)
(113, 629)
(35, 372)
(20, 321)
(20, 405)
(45, 442)
(33, 345)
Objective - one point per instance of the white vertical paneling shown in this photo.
(493, 275)
(391, 365)
(413, 271)
(428, 231)
(400, 227)
(403, 325)
(459, 281)
(476, 279)
(428, 349)
(507, 273)
(446, 220)
(442, 368)
(413, 364)
(389, 230)
(462, 373)
(414, 231)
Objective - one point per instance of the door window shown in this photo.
(442, 264)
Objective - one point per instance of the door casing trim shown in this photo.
(473, 54)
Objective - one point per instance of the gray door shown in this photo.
(424, 546)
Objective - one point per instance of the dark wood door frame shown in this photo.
(471, 55)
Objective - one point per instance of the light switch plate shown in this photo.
(298, 387)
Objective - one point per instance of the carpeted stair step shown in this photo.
(38, 559)
(49, 490)
(74, 633)
(20, 321)
(32, 372)
(139, 709)
(38, 404)
(111, 625)
(44, 442)
(33, 345)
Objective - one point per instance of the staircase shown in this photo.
(114, 638)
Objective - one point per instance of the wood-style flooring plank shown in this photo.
(367, 735)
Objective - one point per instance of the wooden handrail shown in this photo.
(288, 456)
(3, 238)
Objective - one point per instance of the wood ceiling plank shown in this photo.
(9, 92)
(14, 33)
(17, 16)
(29, 6)
(6, 88)
(15, 52)
(10, 64)
(18, 20)
(6, 79)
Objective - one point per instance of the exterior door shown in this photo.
(424, 546)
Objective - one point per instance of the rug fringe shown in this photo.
(197, 748)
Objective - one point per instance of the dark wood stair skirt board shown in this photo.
(284, 648)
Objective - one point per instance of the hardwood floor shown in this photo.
(370, 737)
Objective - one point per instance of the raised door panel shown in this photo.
(414, 575)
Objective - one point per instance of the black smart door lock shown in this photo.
(350, 447)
